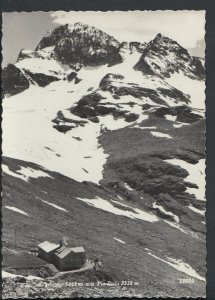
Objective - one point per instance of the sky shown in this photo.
(25, 29)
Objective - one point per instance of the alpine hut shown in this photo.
(46, 251)
(67, 258)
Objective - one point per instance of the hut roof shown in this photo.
(78, 249)
(48, 246)
(64, 251)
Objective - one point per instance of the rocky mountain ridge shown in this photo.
(163, 57)
(79, 45)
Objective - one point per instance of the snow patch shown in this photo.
(10, 275)
(193, 87)
(25, 173)
(53, 205)
(160, 134)
(177, 226)
(107, 206)
(118, 240)
(176, 218)
(128, 187)
(108, 122)
(39, 65)
(177, 125)
(180, 266)
(17, 210)
(180, 124)
(170, 117)
(145, 127)
(198, 211)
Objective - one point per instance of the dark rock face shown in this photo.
(132, 47)
(60, 121)
(131, 117)
(53, 37)
(108, 78)
(174, 94)
(108, 84)
(136, 46)
(174, 58)
(198, 67)
(153, 180)
(13, 80)
(90, 107)
(184, 113)
(153, 176)
(29, 54)
(86, 105)
(143, 66)
(63, 128)
(73, 76)
(82, 44)
(187, 155)
(41, 79)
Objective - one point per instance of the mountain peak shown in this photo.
(158, 36)
(82, 25)
(164, 40)
(83, 44)
(164, 56)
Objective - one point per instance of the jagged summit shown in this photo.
(52, 37)
(165, 43)
(164, 56)
(73, 46)
(81, 43)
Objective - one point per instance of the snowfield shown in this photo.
(28, 131)
(194, 88)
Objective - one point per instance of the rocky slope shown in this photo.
(104, 144)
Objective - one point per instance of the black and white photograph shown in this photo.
(103, 154)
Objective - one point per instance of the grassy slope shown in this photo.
(95, 229)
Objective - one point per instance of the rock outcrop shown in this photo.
(13, 81)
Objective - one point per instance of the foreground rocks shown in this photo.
(49, 289)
